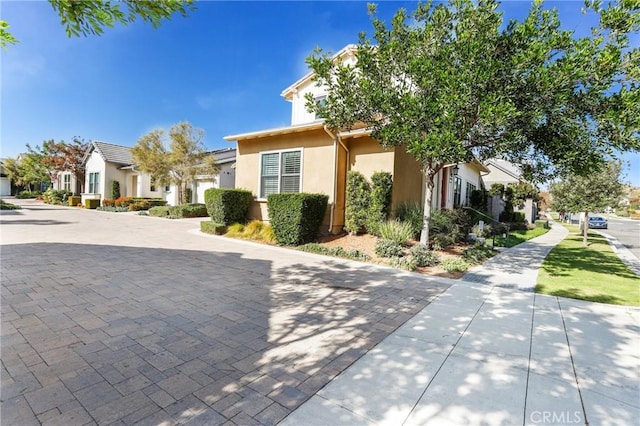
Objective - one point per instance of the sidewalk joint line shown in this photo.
(573, 364)
(526, 388)
(453, 347)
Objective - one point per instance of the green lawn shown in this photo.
(517, 237)
(594, 273)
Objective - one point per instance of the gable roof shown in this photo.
(287, 93)
(110, 153)
(506, 166)
(225, 155)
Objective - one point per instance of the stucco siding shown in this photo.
(95, 164)
(407, 179)
(497, 176)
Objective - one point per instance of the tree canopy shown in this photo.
(590, 193)
(178, 160)
(91, 17)
(449, 82)
(66, 157)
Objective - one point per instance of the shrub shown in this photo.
(478, 199)
(210, 227)
(123, 201)
(412, 214)
(55, 196)
(353, 254)
(454, 265)
(296, 217)
(518, 217)
(74, 201)
(113, 209)
(396, 231)
(543, 223)
(357, 202)
(115, 189)
(380, 199)
(153, 202)
(109, 202)
(485, 232)
(8, 206)
(188, 210)
(188, 194)
(91, 204)
(139, 205)
(28, 194)
(478, 253)
(408, 263)
(228, 206)
(449, 226)
(388, 248)
(159, 211)
(423, 256)
(267, 234)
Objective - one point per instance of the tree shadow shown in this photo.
(34, 222)
(145, 334)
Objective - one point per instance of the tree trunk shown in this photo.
(429, 173)
(585, 228)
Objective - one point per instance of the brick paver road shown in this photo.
(122, 319)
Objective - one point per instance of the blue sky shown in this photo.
(222, 69)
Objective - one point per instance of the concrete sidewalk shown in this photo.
(484, 354)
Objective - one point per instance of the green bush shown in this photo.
(380, 200)
(228, 206)
(423, 256)
(543, 223)
(8, 206)
(28, 194)
(412, 214)
(518, 217)
(478, 253)
(296, 217)
(396, 231)
(622, 212)
(357, 202)
(153, 202)
(388, 248)
(159, 211)
(55, 196)
(188, 194)
(74, 201)
(188, 210)
(408, 263)
(113, 209)
(91, 204)
(449, 226)
(210, 227)
(486, 232)
(115, 189)
(352, 254)
(454, 265)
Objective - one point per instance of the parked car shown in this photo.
(598, 222)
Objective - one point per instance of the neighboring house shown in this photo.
(502, 172)
(5, 182)
(105, 163)
(66, 181)
(307, 157)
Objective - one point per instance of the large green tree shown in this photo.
(590, 193)
(449, 81)
(93, 16)
(178, 160)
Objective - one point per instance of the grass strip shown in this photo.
(594, 273)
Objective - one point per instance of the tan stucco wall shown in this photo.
(317, 165)
(407, 179)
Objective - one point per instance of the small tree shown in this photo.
(66, 157)
(115, 189)
(184, 159)
(588, 193)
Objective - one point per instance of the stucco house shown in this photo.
(307, 157)
(105, 163)
(502, 171)
(5, 182)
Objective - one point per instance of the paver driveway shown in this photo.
(121, 319)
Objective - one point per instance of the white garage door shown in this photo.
(5, 186)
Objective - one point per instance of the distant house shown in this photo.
(502, 172)
(5, 182)
(307, 157)
(106, 163)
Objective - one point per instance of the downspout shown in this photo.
(336, 141)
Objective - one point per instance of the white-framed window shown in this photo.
(457, 191)
(167, 188)
(94, 183)
(320, 100)
(66, 182)
(470, 188)
(280, 171)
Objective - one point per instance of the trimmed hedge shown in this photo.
(28, 194)
(159, 211)
(74, 201)
(91, 204)
(227, 206)
(296, 217)
(211, 227)
(357, 202)
(188, 210)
